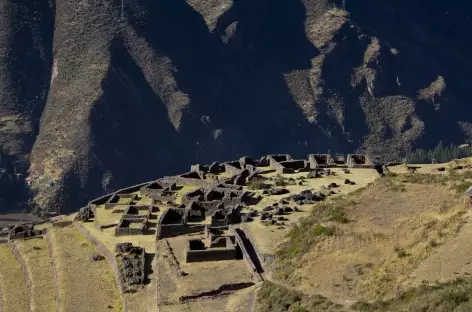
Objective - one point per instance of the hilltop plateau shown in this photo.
(96, 95)
(274, 234)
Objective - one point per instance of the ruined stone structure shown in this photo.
(85, 214)
(23, 231)
(162, 190)
(131, 261)
(290, 166)
(120, 200)
(320, 161)
(173, 222)
(359, 161)
(135, 225)
(221, 248)
(139, 212)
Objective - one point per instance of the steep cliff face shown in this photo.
(112, 95)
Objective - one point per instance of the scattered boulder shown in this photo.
(441, 169)
(288, 209)
(346, 171)
(313, 175)
(97, 257)
(283, 201)
(267, 208)
(349, 182)
(279, 211)
(278, 191)
(36, 248)
(332, 185)
(246, 218)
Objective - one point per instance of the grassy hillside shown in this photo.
(399, 244)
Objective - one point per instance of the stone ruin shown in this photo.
(320, 161)
(134, 220)
(285, 164)
(131, 263)
(306, 197)
(213, 198)
(163, 190)
(120, 200)
(217, 249)
(23, 231)
(174, 222)
(359, 161)
(85, 214)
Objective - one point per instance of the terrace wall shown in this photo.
(246, 255)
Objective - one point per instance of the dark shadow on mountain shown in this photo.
(240, 85)
(31, 59)
(132, 136)
(338, 69)
(432, 39)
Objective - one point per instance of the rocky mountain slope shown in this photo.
(98, 94)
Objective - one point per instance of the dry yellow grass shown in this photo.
(391, 233)
(105, 216)
(84, 285)
(40, 270)
(12, 283)
(144, 299)
(268, 239)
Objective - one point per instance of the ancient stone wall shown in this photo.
(131, 189)
(225, 288)
(172, 230)
(128, 231)
(111, 261)
(211, 254)
(320, 161)
(232, 169)
(246, 255)
(359, 161)
(100, 200)
(193, 182)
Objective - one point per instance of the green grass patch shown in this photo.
(447, 297)
(274, 298)
(311, 230)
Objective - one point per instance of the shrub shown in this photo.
(281, 181)
(401, 253)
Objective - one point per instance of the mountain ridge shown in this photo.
(119, 99)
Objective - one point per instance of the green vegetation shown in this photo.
(440, 154)
(447, 297)
(281, 181)
(275, 298)
(309, 232)
(256, 184)
(401, 253)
